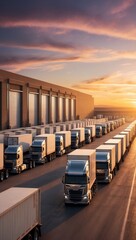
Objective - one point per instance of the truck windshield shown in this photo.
(11, 156)
(75, 179)
(101, 165)
(36, 149)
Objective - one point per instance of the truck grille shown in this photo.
(75, 195)
(35, 157)
(100, 176)
(9, 165)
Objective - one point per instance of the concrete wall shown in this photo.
(83, 103)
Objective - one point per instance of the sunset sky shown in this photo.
(88, 45)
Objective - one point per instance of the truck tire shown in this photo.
(33, 164)
(6, 174)
(29, 237)
(1, 176)
(30, 165)
(19, 170)
(36, 234)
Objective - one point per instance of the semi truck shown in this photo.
(18, 155)
(15, 159)
(105, 163)
(4, 174)
(20, 214)
(77, 137)
(90, 133)
(117, 143)
(80, 177)
(98, 129)
(63, 142)
(43, 148)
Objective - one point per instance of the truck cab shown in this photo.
(60, 150)
(74, 139)
(87, 135)
(38, 151)
(77, 185)
(14, 158)
(103, 168)
(98, 131)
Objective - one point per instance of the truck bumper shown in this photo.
(85, 200)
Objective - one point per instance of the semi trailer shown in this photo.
(20, 214)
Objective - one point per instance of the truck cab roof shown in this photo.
(77, 167)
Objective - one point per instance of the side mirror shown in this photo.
(63, 179)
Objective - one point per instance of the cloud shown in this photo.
(87, 16)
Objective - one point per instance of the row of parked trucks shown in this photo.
(23, 149)
(87, 167)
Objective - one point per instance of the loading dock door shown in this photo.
(72, 109)
(54, 109)
(61, 109)
(33, 109)
(45, 109)
(67, 109)
(14, 109)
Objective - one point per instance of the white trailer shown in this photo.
(20, 213)
(50, 145)
(80, 176)
(21, 139)
(128, 142)
(117, 143)
(123, 144)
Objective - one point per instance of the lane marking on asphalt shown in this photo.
(127, 209)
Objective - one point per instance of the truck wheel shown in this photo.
(36, 234)
(6, 174)
(33, 164)
(19, 170)
(1, 176)
(30, 165)
(29, 237)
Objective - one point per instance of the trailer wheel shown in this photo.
(36, 234)
(1, 176)
(6, 174)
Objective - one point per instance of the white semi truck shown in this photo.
(90, 133)
(20, 214)
(77, 137)
(17, 154)
(80, 176)
(63, 142)
(43, 148)
(105, 163)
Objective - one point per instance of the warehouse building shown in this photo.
(26, 102)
